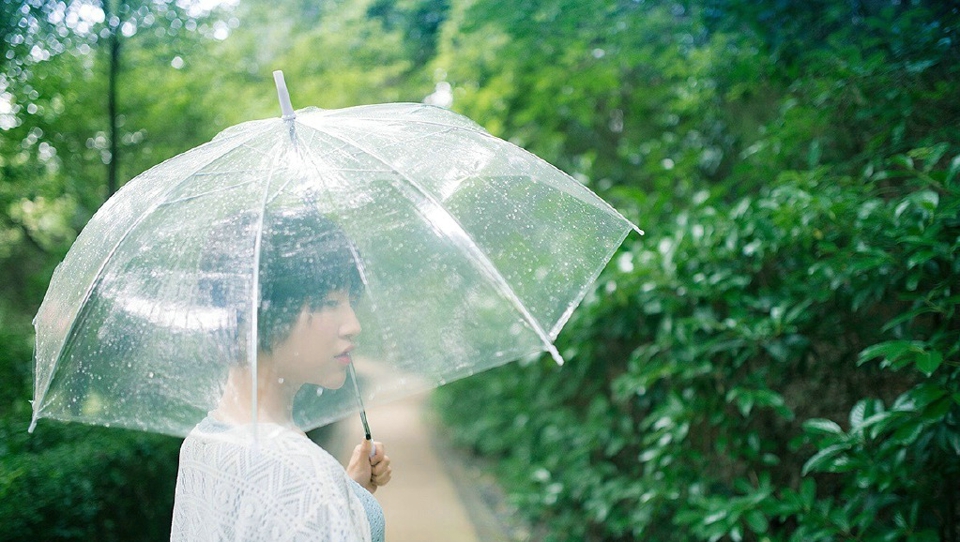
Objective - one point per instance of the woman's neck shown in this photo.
(274, 399)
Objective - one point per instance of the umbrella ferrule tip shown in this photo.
(285, 106)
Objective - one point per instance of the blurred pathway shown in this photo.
(428, 498)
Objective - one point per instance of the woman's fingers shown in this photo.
(381, 479)
(380, 453)
(380, 470)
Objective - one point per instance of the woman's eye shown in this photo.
(333, 301)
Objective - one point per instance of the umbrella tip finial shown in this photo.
(284, 96)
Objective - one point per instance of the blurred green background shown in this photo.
(777, 359)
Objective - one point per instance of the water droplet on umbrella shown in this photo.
(319, 392)
(280, 380)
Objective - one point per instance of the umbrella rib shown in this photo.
(477, 130)
(583, 193)
(98, 277)
(252, 354)
(252, 346)
(307, 154)
(223, 172)
(359, 149)
(312, 159)
(465, 242)
(204, 194)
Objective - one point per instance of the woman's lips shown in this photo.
(344, 358)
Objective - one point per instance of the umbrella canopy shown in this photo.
(463, 252)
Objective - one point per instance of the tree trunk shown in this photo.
(114, 69)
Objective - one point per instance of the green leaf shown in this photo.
(891, 351)
(953, 439)
(920, 257)
(927, 199)
(878, 423)
(924, 394)
(808, 491)
(858, 413)
(930, 155)
(865, 413)
(908, 433)
(928, 362)
(902, 318)
(757, 521)
(824, 460)
(823, 426)
(953, 169)
(934, 412)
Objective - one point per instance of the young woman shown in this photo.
(258, 477)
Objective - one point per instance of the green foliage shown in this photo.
(777, 359)
(65, 482)
(706, 373)
(85, 483)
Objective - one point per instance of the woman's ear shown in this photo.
(305, 318)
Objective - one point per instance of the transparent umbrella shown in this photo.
(463, 252)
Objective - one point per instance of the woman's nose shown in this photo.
(350, 325)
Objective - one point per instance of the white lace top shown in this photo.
(281, 487)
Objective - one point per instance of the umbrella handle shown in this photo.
(373, 449)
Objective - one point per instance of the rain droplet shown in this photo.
(319, 392)
(150, 374)
(280, 380)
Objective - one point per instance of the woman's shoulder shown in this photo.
(297, 451)
(261, 446)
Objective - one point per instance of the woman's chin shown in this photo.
(334, 382)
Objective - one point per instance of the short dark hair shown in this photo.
(304, 256)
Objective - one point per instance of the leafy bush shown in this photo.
(778, 358)
(72, 482)
(782, 367)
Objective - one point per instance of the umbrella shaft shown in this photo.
(363, 412)
(363, 420)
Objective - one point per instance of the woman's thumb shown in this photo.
(368, 448)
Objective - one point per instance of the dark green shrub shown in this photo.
(74, 482)
(709, 377)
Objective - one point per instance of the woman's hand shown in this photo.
(370, 472)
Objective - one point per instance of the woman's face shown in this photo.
(317, 351)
